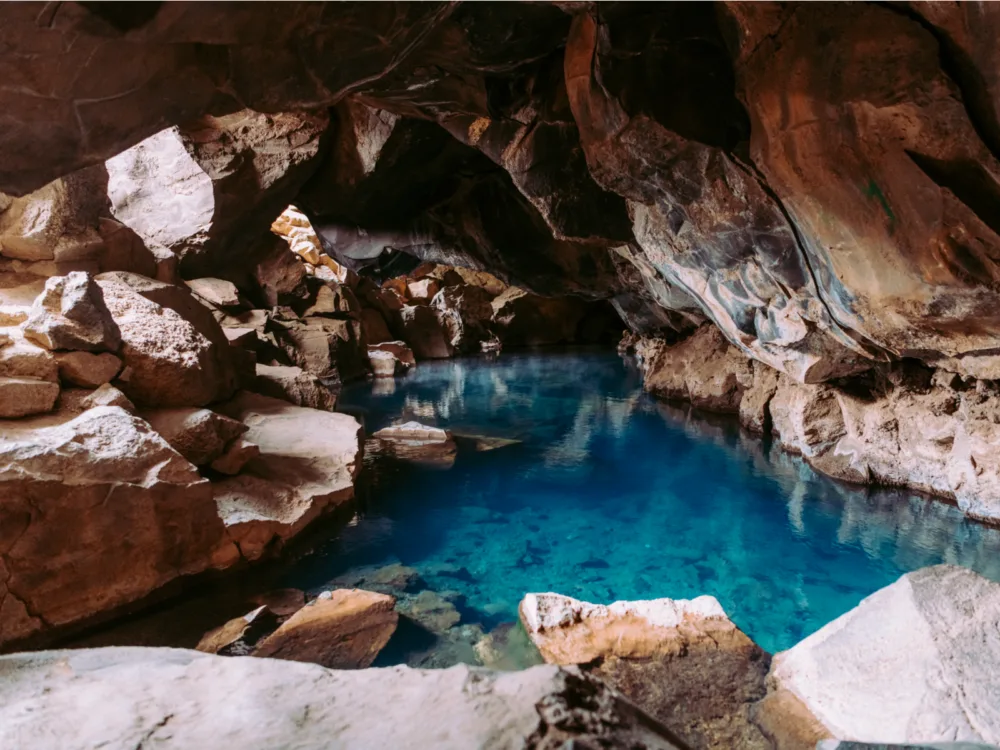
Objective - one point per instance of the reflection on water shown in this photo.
(611, 495)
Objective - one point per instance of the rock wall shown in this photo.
(820, 181)
(902, 424)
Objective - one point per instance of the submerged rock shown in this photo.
(418, 443)
(917, 661)
(342, 629)
(683, 661)
(180, 699)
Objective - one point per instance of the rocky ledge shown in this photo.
(902, 424)
(173, 698)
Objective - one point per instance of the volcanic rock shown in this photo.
(87, 370)
(204, 190)
(71, 314)
(703, 369)
(423, 332)
(69, 490)
(914, 662)
(683, 661)
(467, 313)
(412, 441)
(169, 362)
(307, 465)
(48, 699)
(235, 457)
(21, 397)
(524, 319)
(200, 435)
(344, 629)
(239, 636)
(294, 385)
(218, 292)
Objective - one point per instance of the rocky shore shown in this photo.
(899, 425)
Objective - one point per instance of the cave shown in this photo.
(500, 375)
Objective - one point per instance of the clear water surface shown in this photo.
(613, 495)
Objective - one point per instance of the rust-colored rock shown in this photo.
(682, 661)
(342, 629)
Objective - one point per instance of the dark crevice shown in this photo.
(124, 16)
(961, 69)
(969, 181)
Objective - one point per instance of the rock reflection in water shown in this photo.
(611, 495)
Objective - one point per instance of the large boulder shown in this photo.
(200, 435)
(307, 465)
(96, 512)
(683, 661)
(326, 347)
(704, 369)
(424, 333)
(58, 222)
(342, 629)
(209, 189)
(295, 385)
(917, 661)
(71, 314)
(168, 358)
(466, 314)
(180, 699)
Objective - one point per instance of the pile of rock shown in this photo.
(441, 311)
(130, 456)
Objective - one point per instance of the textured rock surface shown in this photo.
(125, 697)
(71, 314)
(200, 435)
(295, 385)
(703, 369)
(21, 397)
(86, 369)
(69, 491)
(208, 190)
(682, 661)
(169, 360)
(307, 465)
(342, 629)
(916, 661)
(900, 425)
(820, 184)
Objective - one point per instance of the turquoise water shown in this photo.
(613, 495)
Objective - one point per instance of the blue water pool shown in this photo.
(613, 495)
